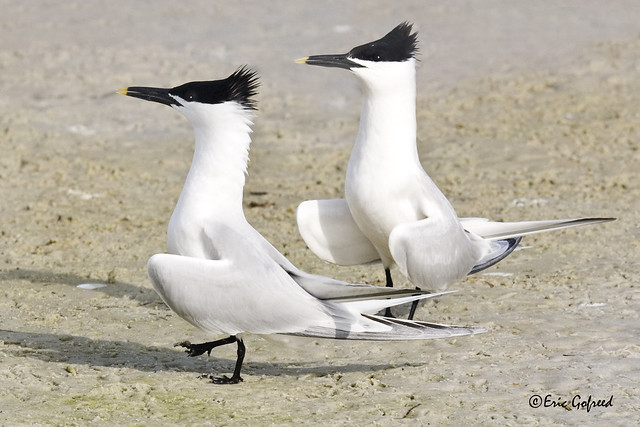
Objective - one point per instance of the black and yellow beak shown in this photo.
(336, 61)
(149, 94)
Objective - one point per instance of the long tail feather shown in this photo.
(395, 330)
(327, 289)
(504, 230)
(370, 306)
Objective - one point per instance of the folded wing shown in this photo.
(434, 253)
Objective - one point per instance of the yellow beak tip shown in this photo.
(122, 90)
(302, 60)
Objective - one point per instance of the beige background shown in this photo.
(527, 110)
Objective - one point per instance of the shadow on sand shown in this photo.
(77, 350)
(114, 289)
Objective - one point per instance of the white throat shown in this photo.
(385, 183)
(214, 185)
(387, 131)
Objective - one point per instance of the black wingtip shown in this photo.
(512, 243)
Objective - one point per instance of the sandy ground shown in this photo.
(527, 110)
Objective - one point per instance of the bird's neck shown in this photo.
(387, 130)
(385, 153)
(218, 169)
(214, 185)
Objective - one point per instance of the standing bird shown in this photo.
(222, 275)
(392, 210)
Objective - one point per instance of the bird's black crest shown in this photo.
(398, 45)
(240, 87)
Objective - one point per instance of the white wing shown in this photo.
(247, 291)
(329, 230)
(219, 297)
(224, 296)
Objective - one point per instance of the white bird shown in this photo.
(222, 275)
(392, 210)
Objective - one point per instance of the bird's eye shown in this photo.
(191, 96)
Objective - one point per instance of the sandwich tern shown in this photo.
(222, 275)
(392, 210)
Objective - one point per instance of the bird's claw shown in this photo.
(225, 379)
(194, 350)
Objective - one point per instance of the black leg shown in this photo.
(387, 311)
(194, 350)
(387, 274)
(414, 305)
(198, 349)
(235, 378)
